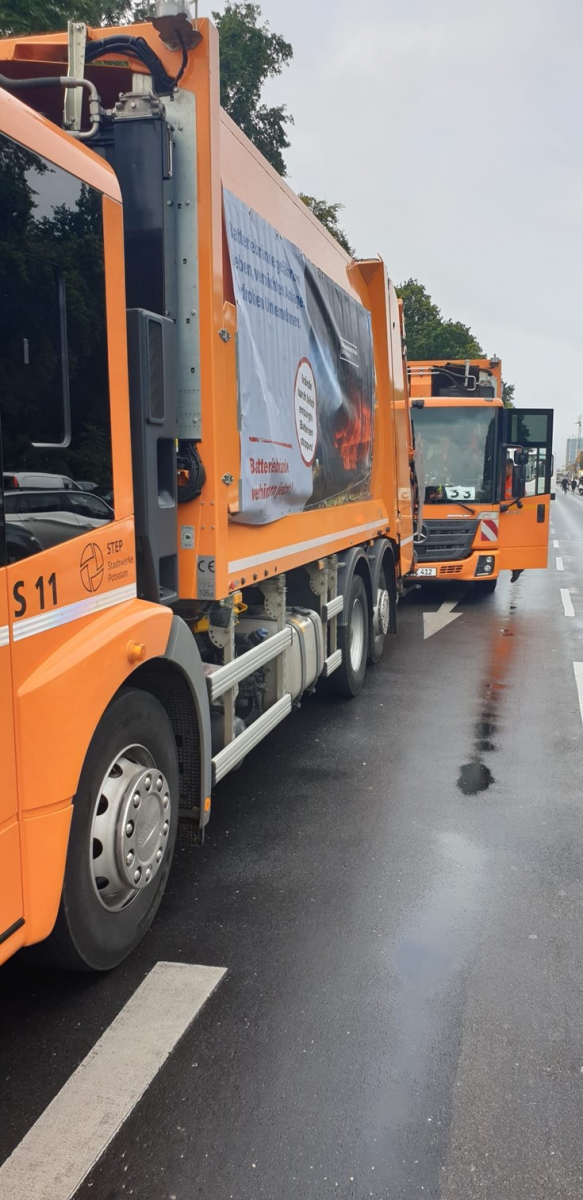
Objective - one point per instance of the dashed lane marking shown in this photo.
(578, 669)
(559, 563)
(67, 1140)
(556, 544)
(567, 602)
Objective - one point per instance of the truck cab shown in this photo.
(484, 474)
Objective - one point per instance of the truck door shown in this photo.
(11, 906)
(525, 471)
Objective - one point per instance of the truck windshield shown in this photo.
(456, 446)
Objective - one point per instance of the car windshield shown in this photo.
(456, 446)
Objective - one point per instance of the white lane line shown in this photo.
(55, 1156)
(556, 544)
(559, 563)
(567, 602)
(578, 669)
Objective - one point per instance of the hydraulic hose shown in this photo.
(62, 81)
(137, 47)
(189, 460)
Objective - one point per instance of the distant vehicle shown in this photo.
(39, 502)
(20, 543)
(37, 479)
(96, 490)
(486, 474)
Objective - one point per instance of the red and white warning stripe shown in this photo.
(489, 529)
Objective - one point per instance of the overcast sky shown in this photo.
(451, 130)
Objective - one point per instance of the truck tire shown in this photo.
(125, 818)
(485, 586)
(353, 642)
(381, 619)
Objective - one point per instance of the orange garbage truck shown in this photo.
(207, 498)
(484, 471)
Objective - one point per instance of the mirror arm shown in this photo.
(504, 507)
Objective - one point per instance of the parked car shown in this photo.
(14, 480)
(36, 502)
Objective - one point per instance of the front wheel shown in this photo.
(125, 818)
(353, 642)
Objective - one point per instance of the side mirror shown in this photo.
(519, 480)
(520, 458)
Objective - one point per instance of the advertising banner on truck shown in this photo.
(305, 376)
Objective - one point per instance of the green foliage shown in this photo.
(251, 54)
(429, 335)
(328, 215)
(21, 17)
(507, 394)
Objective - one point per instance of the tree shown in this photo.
(328, 215)
(429, 335)
(507, 394)
(21, 17)
(251, 54)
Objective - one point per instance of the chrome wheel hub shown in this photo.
(382, 613)
(356, 635)
(131, 822)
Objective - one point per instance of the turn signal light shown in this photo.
(136, 652)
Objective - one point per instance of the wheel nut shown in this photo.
(129, 828)
(165, 829)
(137, 800)
(166, 801)
(159, 783)
(148, 782)
(137, 875)
(129, 858)
(158, 856)
(148, 874)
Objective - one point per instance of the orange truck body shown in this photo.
(478, 518)
(75, 624)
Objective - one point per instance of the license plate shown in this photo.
(426, 571)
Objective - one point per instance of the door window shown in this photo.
(528, 431)
(54, 394)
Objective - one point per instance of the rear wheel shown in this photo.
(353, 642)
(125, 817)
(485, 586)
(381, 619)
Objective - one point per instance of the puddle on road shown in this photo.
(475, 776)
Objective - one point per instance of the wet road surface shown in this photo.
(394, 886)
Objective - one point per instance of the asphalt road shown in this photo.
(394, 886)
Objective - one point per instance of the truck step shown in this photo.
(332, 608)
(226, 759)
(331, 663)
(226, 677)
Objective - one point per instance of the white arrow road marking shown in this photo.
(72, 1133)
(567, 602)
(434, 621)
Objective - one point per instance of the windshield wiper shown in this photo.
(462, 505)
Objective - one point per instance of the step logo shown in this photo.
(92, 567)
